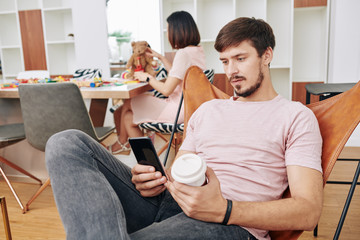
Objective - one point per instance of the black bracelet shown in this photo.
(228, 212)
(147, 79)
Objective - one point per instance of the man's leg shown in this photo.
(93, 189)
(181, 227)
(171, 223)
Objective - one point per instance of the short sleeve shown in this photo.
(304, 142)
(189, 142)
(180, 64)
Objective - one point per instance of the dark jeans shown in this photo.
(97, 200)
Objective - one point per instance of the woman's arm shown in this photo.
(163, 59)
(166, 88)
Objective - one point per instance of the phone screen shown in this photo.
(145, 153)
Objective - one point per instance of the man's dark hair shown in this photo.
(257, 31)
(182, 29)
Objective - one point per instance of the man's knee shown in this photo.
(63, 138)
(62, 142)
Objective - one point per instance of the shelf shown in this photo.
(57, 9)
(212, 57)
(310, 52)
(170, 6)
(210, 40)
(10, 46)
(279, 15)
(58, 24)
(280, 78)
(61, 42)
(208, 20)
(57, 4)
(7, 6)
(279, 66)
(28, 4)
(34, 34)
(11, 56)
(61, 58)
(10, 76)
(9, 30)
(7, 12)
(253, 8)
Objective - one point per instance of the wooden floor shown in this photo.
(43, 221)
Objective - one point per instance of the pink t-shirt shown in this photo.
(249, 145)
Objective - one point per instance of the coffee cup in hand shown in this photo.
(189, 169)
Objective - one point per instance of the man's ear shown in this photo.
(267, 56)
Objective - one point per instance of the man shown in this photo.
(255, 145)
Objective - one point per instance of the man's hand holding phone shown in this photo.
(149, 174)
(147, 181)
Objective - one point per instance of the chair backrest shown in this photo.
(337, 116)
(50, 108)
(40, 74)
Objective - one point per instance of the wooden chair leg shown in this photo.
(12, 190)
(163, 148)
(5, 218)
(46, 183)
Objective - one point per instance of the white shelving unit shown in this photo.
(58, 25)
(295, 30)
(10, 42)
(310, 44)
(64, 53)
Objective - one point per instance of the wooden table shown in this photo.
(99, 97)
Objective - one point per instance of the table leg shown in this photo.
(98, 111)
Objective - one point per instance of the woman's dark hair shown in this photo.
(182, 29)
(257, 31)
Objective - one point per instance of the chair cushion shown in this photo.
(164, 128)
(88, 73)
(11, 133)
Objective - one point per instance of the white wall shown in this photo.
(91, 27)
(344, 49)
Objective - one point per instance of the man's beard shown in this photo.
(252, 89)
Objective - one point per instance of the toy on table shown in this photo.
(96, 82)
(43, 80)
(139, 61)
(8, 85)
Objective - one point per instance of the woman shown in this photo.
(183, 36)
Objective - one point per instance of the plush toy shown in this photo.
(139, 61)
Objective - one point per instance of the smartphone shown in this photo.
(145, 153)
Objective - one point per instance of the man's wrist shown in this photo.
(147, 79)
(228, 212)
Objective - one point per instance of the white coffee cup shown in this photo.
(189, 169)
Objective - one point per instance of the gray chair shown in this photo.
(10, 134)
(51, 108)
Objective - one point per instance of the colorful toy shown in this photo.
(96, 82)
(139, 61)
(8, 85)
(124, 74)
